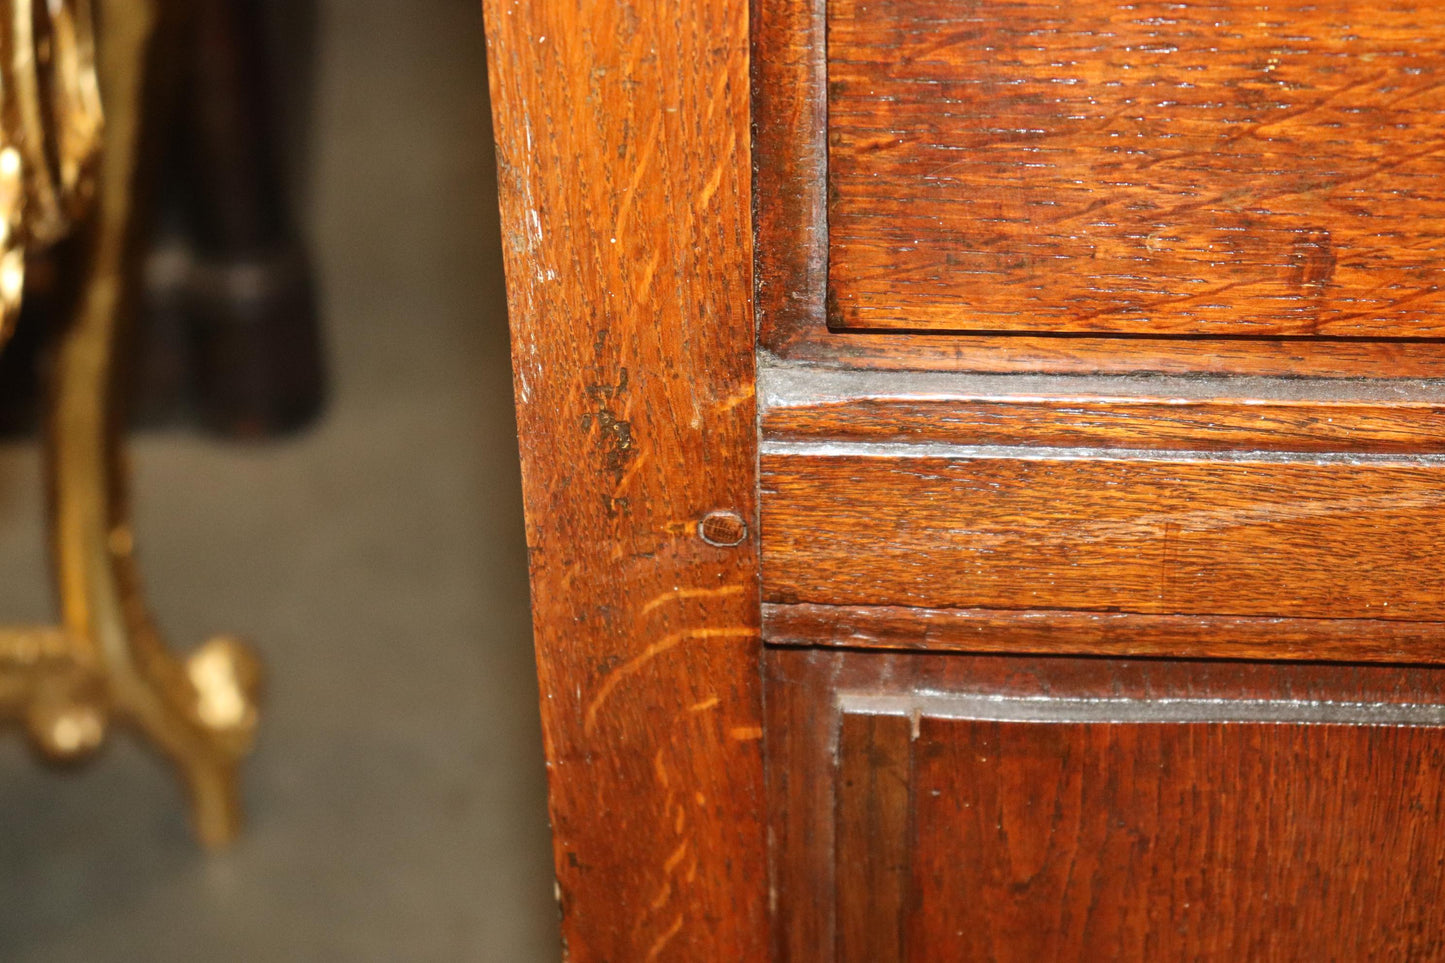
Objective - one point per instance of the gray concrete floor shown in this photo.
(396, 795)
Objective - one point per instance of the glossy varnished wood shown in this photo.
(790, 76)
(1093, 825)
(940, 527)
(623, 155)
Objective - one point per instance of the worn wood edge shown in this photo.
(1125, 710)
(622, 141)
(776, 452)
(1065, 632)
(812, 342)
(802, 402)
(783, 385)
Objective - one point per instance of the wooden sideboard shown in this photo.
(984, 464)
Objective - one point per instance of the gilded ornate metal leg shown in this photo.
(107, 658)
(49, 682)
(201, 711)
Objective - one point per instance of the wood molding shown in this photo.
(623, 156)
(1119, 634)
(803, 402)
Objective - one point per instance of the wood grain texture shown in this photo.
(1215, 425)
(790, 116)
(1054, 631)
(1138, 841)
(622, 136)
(874, 841)
(1156, 534)
(1117, 840)
(1223, 167)
(1226, 414)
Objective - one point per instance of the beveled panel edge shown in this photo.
(787, 384)
(895, 451)
(1067, 709)
(899, 628)
(800, 402)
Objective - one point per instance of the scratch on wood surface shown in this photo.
(621, 121)
(669, 641)
(704, 705)
(675, 860)
(641, 457)
(709, 189)
(649, 272)
(669, 868)
(661, 942)
(746, 733)
(735, 399)
(641, 167)
(678, 594)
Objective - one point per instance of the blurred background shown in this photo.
(355, 513)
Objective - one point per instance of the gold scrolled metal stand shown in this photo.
(106, 661)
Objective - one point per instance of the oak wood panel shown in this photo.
(1230, 817)
(1047, 631)
(874, 778)
(1225, 167)
(790, 154)
(1195, 414)
(1138, 841)
(623, 156)
(942, 527)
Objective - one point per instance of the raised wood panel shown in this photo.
(790, 185)
(1094, 809)
(1227, 168)
(940, 527)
